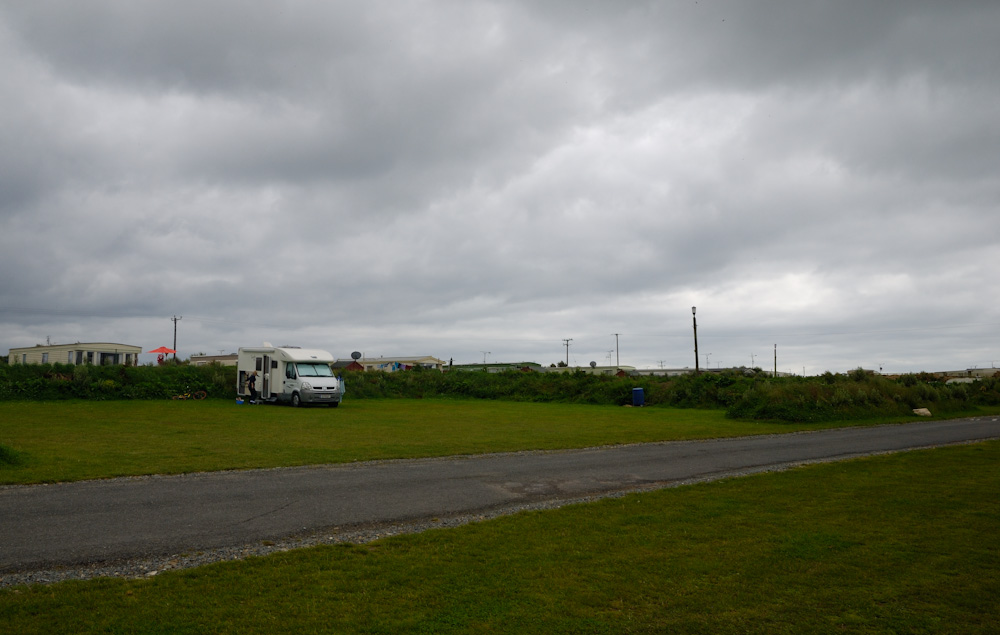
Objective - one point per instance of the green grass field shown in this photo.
(67, 441)
(905, 543)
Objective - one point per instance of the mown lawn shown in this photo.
(904, 543)
(66, 441)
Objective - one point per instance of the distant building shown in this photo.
(205, 360)
(98, 353)
(663, 372)
(620, 371)
(392, 364)
(971, 374)
(953, 376)
(977, 373)
(676, 372)
(497, 367)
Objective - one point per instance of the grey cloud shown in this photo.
(747, 45)
(441, 174)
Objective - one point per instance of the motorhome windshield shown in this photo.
(314, 370)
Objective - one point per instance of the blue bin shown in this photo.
(638, 397)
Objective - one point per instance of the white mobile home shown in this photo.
(289, 374)
(99, 353)
(392, 364)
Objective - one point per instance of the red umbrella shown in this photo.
(163, 350)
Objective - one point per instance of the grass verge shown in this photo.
(76, 440)
(9, 457)
(890, 544)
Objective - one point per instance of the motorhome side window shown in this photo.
(290, 371)
(259, 365)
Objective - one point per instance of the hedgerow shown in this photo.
(857, 395)
(757, 396)
(48, 382)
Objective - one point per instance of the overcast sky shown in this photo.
(484, 180)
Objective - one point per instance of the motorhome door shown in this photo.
(265, 390)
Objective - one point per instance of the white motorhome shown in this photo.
(289, 374)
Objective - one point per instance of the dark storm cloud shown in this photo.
(438, 175)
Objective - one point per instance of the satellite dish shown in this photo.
(355, 355)
(593, 364)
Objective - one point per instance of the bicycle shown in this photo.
(197, 395)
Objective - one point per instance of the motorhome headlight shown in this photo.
(306, 386)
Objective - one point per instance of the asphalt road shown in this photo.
(47, 526)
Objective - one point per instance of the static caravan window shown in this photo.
(45, 358)
(69, 357)
(109, 359)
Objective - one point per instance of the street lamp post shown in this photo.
(694, 320)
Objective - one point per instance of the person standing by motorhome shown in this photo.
(252, 386)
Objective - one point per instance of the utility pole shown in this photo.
(485, 353)
(775, 360)
(694, 320)
(618, 361)
(175, 320)
(566, 344)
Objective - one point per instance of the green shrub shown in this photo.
(10, 457)
(825, 398)
(48, 382)
(859, 374)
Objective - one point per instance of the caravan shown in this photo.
(289, 374)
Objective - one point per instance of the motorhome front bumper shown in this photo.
(316, 395)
